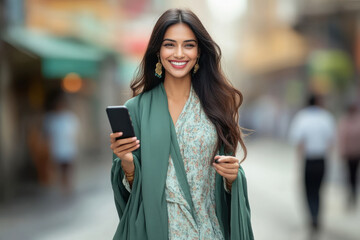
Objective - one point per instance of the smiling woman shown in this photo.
(179, 52)
(179, 178)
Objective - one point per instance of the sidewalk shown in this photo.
(273, 176)
(48, 215)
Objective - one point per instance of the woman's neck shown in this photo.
(177, 88)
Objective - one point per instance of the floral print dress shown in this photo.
(197, 140)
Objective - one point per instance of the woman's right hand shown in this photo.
(123, 147)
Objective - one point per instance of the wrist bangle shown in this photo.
(129, 176)
(130, 179)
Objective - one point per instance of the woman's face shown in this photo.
(179, 51)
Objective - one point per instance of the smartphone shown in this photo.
(120, 121)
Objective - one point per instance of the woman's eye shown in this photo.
(168, 44)
(189, 45)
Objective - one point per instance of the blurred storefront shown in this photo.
(272, 58)
(73, 47)
(294, 49)
(332, 32)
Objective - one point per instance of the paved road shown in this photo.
(275, 189)
(46, 214)
(273, 175)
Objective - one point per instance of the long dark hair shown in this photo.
(219, 99)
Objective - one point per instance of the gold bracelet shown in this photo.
(130, 177)
(126, 173)
(129, 174)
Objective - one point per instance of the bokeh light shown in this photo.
(72, 83)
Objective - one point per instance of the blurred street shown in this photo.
(274, 190)
(278, 53)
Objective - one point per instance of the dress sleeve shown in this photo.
(120, 185)
(121, 195)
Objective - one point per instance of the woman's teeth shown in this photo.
(178, 63)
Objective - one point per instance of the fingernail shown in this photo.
(120, 133)
(137, 141)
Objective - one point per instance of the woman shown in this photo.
(183, 181)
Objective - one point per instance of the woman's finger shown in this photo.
(226, 170)
(125, 147)
(124, 141)
(226, 159)
(113, 136)
(229, 165)
(131, 149)
(115, 146)
(227, 176)
(220, 172)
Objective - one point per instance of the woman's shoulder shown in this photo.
(132, 102)
(135, 102)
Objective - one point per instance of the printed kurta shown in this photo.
(197, 138)
(143, 213)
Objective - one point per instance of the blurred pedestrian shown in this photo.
(39, 149)
(349, 146)
(313, 132)
(184, 182)
(61, 129)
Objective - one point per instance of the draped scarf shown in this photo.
(143, 212)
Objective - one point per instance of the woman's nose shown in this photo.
(179, 52)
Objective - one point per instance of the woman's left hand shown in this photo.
(227, 166)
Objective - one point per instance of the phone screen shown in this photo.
(120, 121)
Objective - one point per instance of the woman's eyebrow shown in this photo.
(191, 40)
(171, 40)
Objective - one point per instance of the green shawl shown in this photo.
(143, 212)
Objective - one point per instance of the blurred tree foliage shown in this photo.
(330, 70)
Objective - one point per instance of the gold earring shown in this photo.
(158, 69)
(196, 67)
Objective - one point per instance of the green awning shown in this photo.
(59, 56)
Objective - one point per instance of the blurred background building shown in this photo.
(276, 52)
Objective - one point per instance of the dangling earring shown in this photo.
(158, 69)
(196, 67)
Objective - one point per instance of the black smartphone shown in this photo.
(120, 121)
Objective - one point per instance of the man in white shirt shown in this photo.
(313, 132)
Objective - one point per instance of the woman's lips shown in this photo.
(178, 64)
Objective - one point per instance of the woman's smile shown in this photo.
(178, 64)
